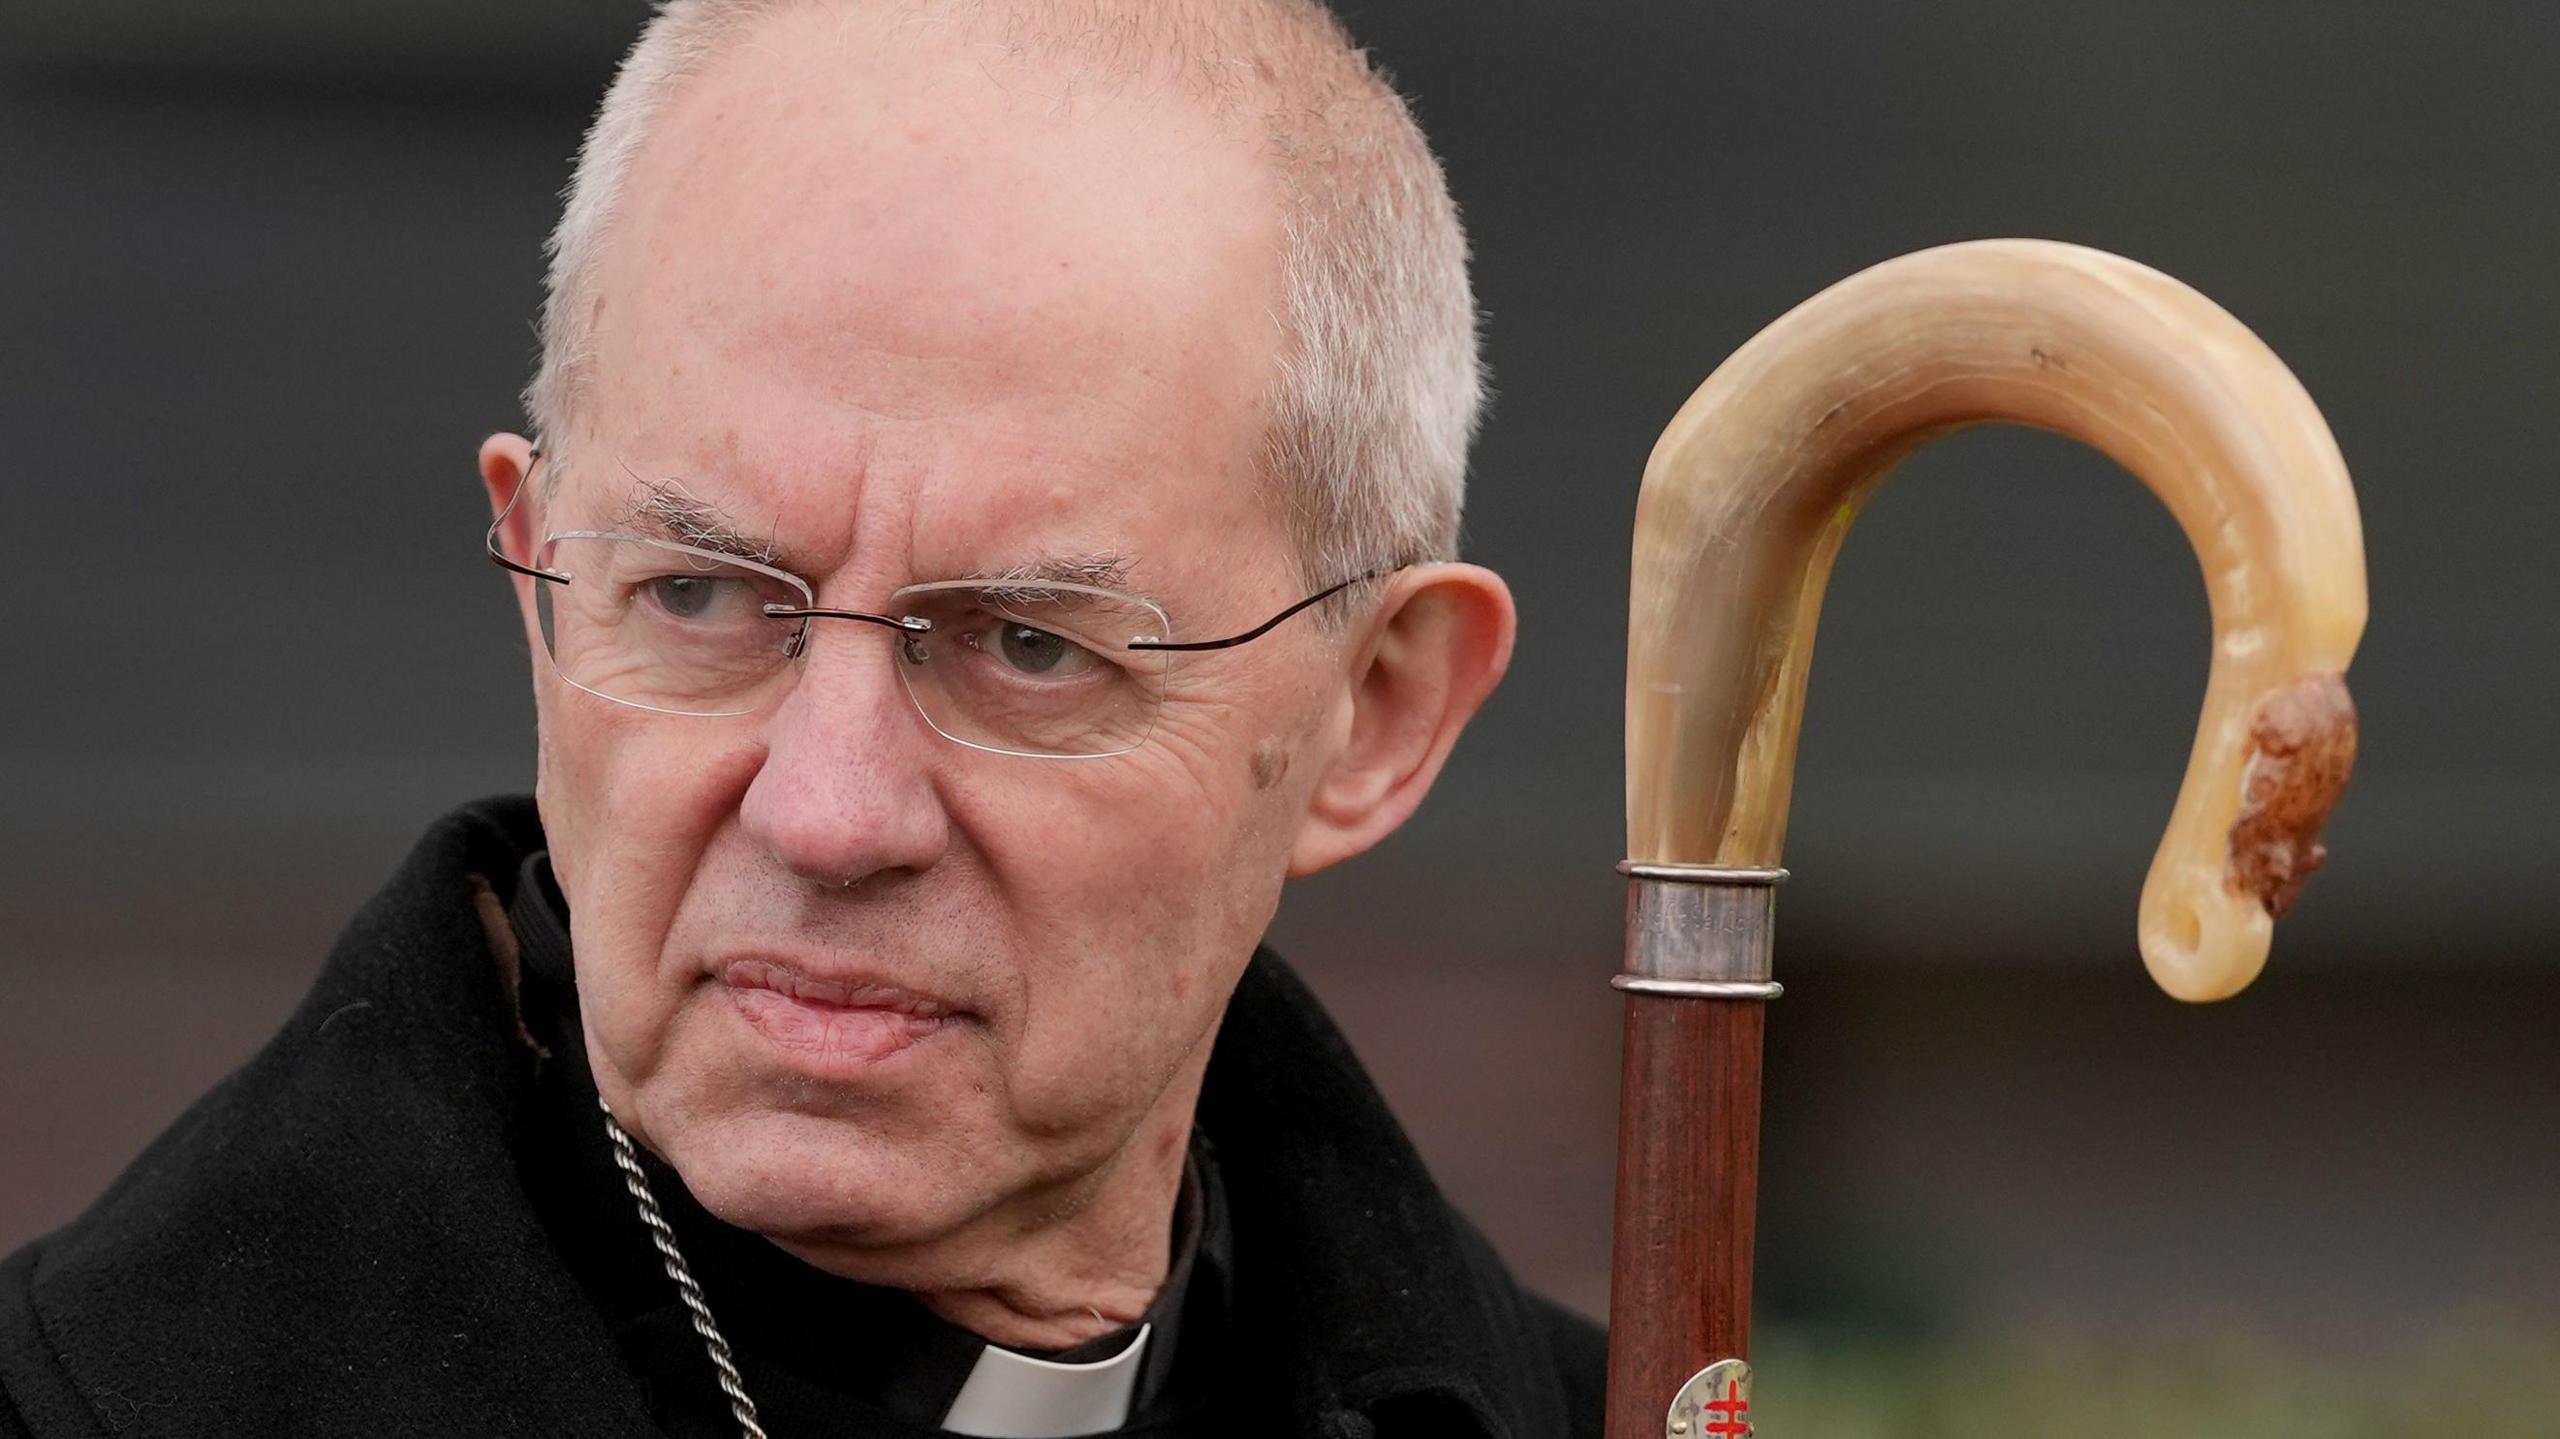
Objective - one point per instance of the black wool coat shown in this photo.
(336, 1239)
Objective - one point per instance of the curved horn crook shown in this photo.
(1754, 485)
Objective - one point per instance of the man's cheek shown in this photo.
(1190, 764)
(1056, 1090)
(1119, 842)
(1221, 794)
(628, 808)
(656, 779)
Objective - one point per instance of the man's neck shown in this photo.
(1052, 1269)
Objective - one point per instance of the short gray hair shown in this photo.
(1381, 385)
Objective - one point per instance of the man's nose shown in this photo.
(845, 791)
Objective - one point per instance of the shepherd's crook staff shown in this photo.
(1746, 500)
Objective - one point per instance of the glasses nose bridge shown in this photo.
(859, 669)
(906, 627)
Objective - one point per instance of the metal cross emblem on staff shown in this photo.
(1745, 503)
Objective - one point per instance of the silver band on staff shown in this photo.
(1697, 931)
(1698, 988)
(1702, 873)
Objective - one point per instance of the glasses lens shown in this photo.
(665, 627)
(1033, 668)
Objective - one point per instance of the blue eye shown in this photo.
(684, 596)
(1032, 651)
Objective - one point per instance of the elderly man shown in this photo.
(990, 526)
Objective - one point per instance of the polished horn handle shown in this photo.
(1746, 500)
(1756, 481)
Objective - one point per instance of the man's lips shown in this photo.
(854, 1021)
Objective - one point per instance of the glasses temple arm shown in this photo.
(491, 539)
(1267, 626)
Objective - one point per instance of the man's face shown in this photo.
(919, 316)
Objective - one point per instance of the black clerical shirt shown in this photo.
(818, 1354)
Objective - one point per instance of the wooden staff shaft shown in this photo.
(1697, 987)
(1688, 1186)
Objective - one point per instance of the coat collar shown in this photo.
(1386, 1302)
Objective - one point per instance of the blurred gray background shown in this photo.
(266, 277)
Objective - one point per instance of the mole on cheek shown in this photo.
(1059, 495)
(1270, 762)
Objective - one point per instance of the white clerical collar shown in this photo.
(1014, 1396)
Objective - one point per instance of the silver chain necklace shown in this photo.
(663, 1235)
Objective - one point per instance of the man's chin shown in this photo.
(813, 1182)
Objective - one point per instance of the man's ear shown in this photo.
(1437, 646)
(506, 465)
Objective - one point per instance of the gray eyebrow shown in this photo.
(1103, 571)
(666, 506)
